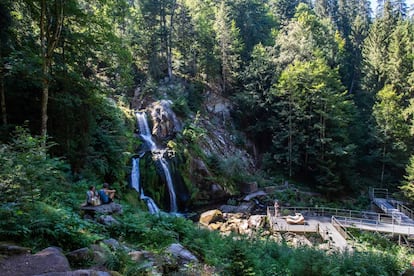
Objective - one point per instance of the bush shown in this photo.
(28, 172)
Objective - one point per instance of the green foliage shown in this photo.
(408, 183)
(192, 132)
(28, 171)
(311, 116)
(180, 107)
(40, 225)
(110, 141)
(240, 262)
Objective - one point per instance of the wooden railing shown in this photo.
(327, 212)
(378, 222)
(342, 229)
(404, 209)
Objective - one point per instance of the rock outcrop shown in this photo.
(111, 208)
(164, 120)
(210, 216)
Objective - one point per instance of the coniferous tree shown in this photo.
(375, 52)
(306, 37)
(229, 47)
(407, 185)
(255, 23)
(284, 9)
(327, 8)
(353, 20)
(314, 114)
(252, 110)
(203, 17)
(400, 63)
(393, 131)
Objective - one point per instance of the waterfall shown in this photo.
(152, 206)
(168, 179)
(135, 175)
(144, 130)
(146, 136)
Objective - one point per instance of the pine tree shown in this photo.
(284, 9)
(313, 116)
(407, 185)
(229, 47)
(392, 128)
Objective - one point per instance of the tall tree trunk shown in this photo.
(45, 75)
(169, 41)
(2, 93)
(384, 151)
(3, 98)
(50, 30)
(290, 142)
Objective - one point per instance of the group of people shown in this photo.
(103, 196)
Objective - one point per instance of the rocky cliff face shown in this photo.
(164, 121)
(219, 140)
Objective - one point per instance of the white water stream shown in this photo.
(157, 153)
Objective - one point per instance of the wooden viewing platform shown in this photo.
(323, 225)
(332, 223)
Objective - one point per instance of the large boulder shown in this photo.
(80, 256)
(48, 260)
(181, 254)
(164, 120)
(11, 249)
(111, 208)
(210, 216)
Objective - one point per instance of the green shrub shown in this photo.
(28, 173)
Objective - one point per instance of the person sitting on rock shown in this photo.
(92, 197)
(106, 195)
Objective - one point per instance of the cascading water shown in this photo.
(146, 136)
(144, 130)
(152, 206)
(168, 179)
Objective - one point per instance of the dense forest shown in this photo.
(323, 89)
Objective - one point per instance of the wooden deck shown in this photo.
(332, 223)
(313, 224)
